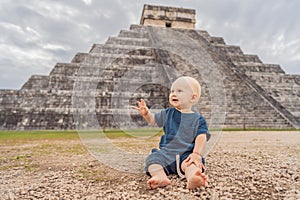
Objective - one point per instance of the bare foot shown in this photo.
(197, 180)
(158, 181)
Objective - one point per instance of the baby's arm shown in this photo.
(145, 112)
(198, 151)
(200, 144)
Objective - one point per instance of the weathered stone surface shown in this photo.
(112, 76)
(161, 16)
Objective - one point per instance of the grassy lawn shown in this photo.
(13, 136)
(17, 135)
(23, 137)
(34, 150)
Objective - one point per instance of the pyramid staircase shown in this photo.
(127, 67)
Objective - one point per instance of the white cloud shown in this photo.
(52, 9)
(296, 57)
(31, 35)
(25, 56)
(85, 27)
(87, 2)
(55, 47)
(12, 27)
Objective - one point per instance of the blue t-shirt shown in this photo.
(181, 130)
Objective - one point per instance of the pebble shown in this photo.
(245, 176)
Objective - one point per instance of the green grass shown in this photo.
(111, 133)
(63, 135)
(115, 133)
(13, 135)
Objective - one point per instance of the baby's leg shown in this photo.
(158, 177)
(195, 177)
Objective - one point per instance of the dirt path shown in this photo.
(243, 165)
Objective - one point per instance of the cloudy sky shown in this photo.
(36, 34)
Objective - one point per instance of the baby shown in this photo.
(185, 136)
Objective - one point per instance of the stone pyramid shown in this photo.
(96, 89)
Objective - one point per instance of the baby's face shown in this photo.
(181, 95)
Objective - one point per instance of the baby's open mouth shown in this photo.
(175, 100)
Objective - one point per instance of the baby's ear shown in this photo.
(195, 97)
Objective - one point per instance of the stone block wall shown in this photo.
(161, 16)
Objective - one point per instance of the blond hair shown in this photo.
(194, 84)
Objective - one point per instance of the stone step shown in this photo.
(212, 40)
(36, 119)
(125, 52)
(220, 44)
(97, 48)
(133, 34)
(79, 57)
(128, 41)
(36, 82)
(266, 81)
(261, 69)
(217, 41)
(292, 78)
(245, 59)
(56, 102)
(116, 49)
(85, 83)
(78, 69)
(65, 69)
(120, 111)
(82, 83)
(88, 77)
(27, 98)
(230, 50)
(249, 125)
(99, 58)
(281, 88)
(205, 35)
(136, 27)
(137, 73)
(46, 118)
(253, 122)
(287, 99)
(273, 78)
(293, 108)
(9, 98)
(295, 112)
(119, 71)
(22, 93)
(58, 82)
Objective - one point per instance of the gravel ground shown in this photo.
(243, 165)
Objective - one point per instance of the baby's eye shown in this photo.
(179, 90)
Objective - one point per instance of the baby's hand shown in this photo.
(142, 107)
(195, 159)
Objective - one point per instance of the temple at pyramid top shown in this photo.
(161, 16)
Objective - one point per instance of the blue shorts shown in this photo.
(167, 161)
